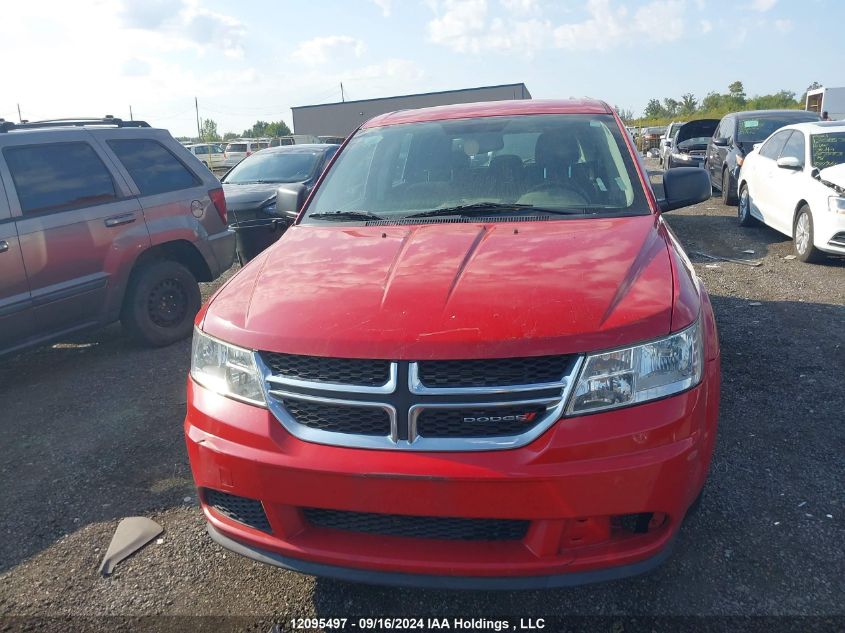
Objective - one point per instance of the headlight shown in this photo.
(226, 369)
(637, 374)
(836, 204)
(739, 160)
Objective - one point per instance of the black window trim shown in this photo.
(41, 212)
(198, 182)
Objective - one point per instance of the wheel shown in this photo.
(744, 208)
(803, 236)
(728, 196)
(161, 301)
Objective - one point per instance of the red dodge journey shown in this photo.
(478, 359)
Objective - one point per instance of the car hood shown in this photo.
(834, 174)
(696, 129)
(248, 196)
(452, 290)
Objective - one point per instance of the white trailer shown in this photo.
(830, 100)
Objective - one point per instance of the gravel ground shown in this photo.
(91, 431)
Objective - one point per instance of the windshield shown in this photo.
(557, 164)
(236, 147)
(701, 140)
(827, 150)
(273, 167)
(759, 129)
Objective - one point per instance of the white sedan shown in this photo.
(795, 183)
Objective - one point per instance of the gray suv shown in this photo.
(101, 220)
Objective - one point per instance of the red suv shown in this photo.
(478, 359)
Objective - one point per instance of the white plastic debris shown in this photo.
(802, 504)
(755, 303)
(791, 257)
(749, 251)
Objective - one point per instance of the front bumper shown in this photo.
(652, 458)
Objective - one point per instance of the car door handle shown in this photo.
(4, 246)
(117, 220)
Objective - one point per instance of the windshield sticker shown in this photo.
(750, 123)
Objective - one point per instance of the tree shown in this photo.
(736, 92)
(208, 130)
(713, 102)
(263, 128)
(688, 104)
(228, 136)
(625, 114)
(653, 110)
(671, 106)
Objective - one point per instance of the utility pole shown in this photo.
(20, 118)
(342, 98)
(199, 131)
(130, 114)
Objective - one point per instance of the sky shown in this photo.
(254, 59)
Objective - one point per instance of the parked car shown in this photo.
(667, 139)
(735, 137)
(795, 183)
(453, 376)
(296, 139)
(251, 186)
(103, 220)
(650, 139)
(209, 154)
(239, 149)
(688, 147)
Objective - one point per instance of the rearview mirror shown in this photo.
(684, 186)
(289, 199)
(789, 162)
(720, 142)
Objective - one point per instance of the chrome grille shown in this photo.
(450, 405)
(339, 418)
(345, 371)
(491, 372)
(478, 422)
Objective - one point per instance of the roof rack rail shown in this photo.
(5, 126)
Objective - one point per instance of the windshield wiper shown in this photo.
(477, 208)
(344, 215)
(483, 208)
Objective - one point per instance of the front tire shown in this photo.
(744, 208)
(728, 197)
(802, 236)
(161, 301)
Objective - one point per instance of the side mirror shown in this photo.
(790, 162)
(289, 199)
(685, 186)
(720, 142)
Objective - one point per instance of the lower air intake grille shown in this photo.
(339, 418)
(490, 422)
(240, 509)
(438, 528)
(347, 371)
(493, 372)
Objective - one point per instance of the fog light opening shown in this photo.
(641, 522)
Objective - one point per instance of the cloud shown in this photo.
(524, 7)
(466, 26)
(321, 50)
(386, 6)
(186, 21)
(463, 26)
(763, 5)
(706, 26)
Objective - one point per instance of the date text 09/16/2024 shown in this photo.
(418, 624)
